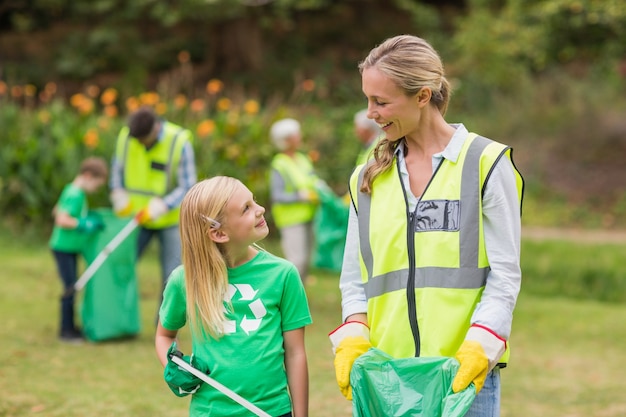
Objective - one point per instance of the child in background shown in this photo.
(294, 194)
(72, 226)
(246, 307)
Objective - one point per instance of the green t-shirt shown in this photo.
(73, 201)
(267, 298)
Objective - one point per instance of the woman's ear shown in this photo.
(423, 96)
(218, 235)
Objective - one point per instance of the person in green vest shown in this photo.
(432, 260)
(73, 224)
(368, 133)
(293, 194)
(152, 169)
(246, 308)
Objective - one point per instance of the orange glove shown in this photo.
(349, 341)
(478, 354)
(156, 208)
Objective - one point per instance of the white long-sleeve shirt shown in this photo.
(502, 232)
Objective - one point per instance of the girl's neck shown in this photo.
(237, 258)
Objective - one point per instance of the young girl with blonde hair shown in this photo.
(246, 307)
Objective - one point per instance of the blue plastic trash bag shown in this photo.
(330, 226)
(416, 387)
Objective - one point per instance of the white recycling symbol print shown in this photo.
(257, 308)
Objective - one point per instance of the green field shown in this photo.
(567, 353)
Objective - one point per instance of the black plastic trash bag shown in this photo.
(416, 387)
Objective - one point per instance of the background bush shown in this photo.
(547, 77)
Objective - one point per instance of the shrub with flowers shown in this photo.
(45, 137)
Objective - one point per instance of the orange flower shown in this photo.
(50, 88)
(110, 111)
(17, 91)
(93, 91)
(104, 123)
(205, 128)
(150, 98)
(180, 101)
(77, 99)
(214, 86)
(44, 96)
(108, 96)
(160, 108)
(3, 88)
(223, 104)
(197, 105)
(132, 104)
(91, 138)
(251, 107)
(308, 85)
(30, 90)
(86, 106)
(183, 57)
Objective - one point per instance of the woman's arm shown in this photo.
(353, 300)
(162, 342)
(502, 226)
(297, 371)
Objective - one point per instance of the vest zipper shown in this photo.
(410, 283)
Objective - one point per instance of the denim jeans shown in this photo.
(487, 402)
(169, 249)
(67, 269)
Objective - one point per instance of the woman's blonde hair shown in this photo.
(411, 63)
(206, 274)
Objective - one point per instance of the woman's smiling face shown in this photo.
(395, 112)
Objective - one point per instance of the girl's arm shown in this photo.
(297, 371)
(162, 342)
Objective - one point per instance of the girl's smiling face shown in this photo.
(395, 112)
(244, 222)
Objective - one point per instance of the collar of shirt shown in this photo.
(451, 153)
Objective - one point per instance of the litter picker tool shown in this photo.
(105, 252)
(176, 357)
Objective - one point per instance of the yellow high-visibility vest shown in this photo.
(298, 174)
(424, 272)
(152, 173)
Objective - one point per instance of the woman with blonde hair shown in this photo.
(247, 308)
(432, 260)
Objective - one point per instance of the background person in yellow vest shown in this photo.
(368, 133)
(151, 170)
(293, 194)
(448, 287)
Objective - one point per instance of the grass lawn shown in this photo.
(567, 355)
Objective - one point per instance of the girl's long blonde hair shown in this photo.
(411, 63)
(206, 274)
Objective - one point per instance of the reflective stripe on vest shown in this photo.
(447, 259)
(152, 173)
(298, 174)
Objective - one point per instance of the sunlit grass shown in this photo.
(567, 355)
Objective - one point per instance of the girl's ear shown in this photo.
(218, 236)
